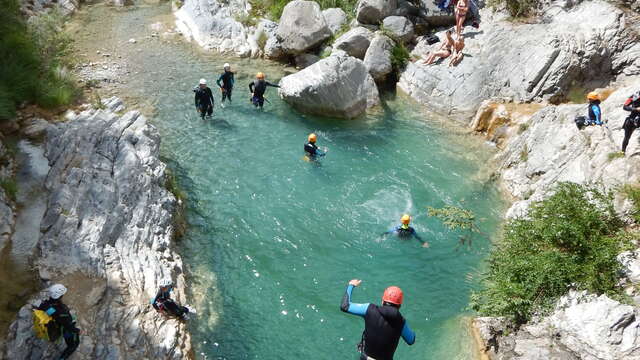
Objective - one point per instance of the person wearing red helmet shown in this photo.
(383, 324)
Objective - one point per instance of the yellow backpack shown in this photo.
(44, 326)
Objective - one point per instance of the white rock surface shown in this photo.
(338, 85)
(355, 42)
(374, 11)
(399, 27)
(335, 18)
(107, 234)
(378, 57)
(302, 27)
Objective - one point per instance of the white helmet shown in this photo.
(203, 82)
(226, 66)
(56, 291)
(166, 282)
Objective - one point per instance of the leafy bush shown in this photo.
(457, 219)
(33, 63)
(517, 8)
(399, 56)
(633, 193)
(615, 155)
(571, 239)
(10, 187)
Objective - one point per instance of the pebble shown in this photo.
(132, 41)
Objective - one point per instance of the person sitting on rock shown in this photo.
(462, 6)
(595, 114)
(54, 307)
(258, 87)
(163, 303)
(633, 120)
(444, 51)
(457, 54)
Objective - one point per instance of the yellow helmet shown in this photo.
(593, 96)
(406, 219)
(260, 75)
(312, 138)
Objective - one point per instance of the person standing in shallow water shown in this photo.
(633, 120)
(258, 87)
(62, 317)
(225, 82)
(383, 325)
(204, 99)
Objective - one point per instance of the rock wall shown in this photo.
(107, 234)
(7, 210)
(587, 44)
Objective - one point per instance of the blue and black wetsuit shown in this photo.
(405, 231)
(163, 302)
(62, 317)
(225, 82)
(633, 120)
(383, 327)
(258, 88)
(312, 150)
(595, 114)
(204, 101)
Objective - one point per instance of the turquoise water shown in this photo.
(274, 239)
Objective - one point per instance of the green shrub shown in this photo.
(615, 155)
(399, 56)
(516, 8)
(10, 187)
(262, 40)
(633, 193)
(522, 128)
(571, 239)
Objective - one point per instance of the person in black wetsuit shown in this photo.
(225, 82)
(383, 325)
(162, 302)
(633, 120)
(204, 99)
(62, 317)
(311, 149)
(404, 230)
(258, 88)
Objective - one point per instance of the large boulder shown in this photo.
(306, 60)
(355, 42)
(526, 62)
(338, 85)
(212, 24)
(302, 27)
(399, 28)
(374, 11)
(378, 57)
(336, 18)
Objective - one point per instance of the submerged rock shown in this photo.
(339, 85)
(302, 27)
(107, 235)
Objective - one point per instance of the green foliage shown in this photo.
(615, 155)
(32, 60)
(524, 153)
(273, 8)
(262, 40)
(571, 239)
(522, 128)
(516, 8)
(179, 215)
(246, 20)
(457, 219)
(399, 56)
(633, 193)
(10, 187)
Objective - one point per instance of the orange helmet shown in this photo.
(406, 219)
(593, 96)
(260, 75)
(393, 295)
(312, 138)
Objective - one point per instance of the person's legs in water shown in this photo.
(203, 111)
(72, 340)
(209, 110)
(227, 94)
(628, 127)
(258, 101)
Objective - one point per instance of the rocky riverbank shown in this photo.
(108, 235)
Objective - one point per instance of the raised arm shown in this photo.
(273, 85)
(349, 307)
(407, 334)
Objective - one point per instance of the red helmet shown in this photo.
(393, 295)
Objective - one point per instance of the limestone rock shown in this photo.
(354, 42)
(399, 27)
(306, 60)
(107, 234)
(374, 11)
(339, 85)
(527, 61)
(335, 18)
(35, 129)
(302, 27)
(378, 57)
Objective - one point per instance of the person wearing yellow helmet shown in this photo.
(404, 230)
(258, 87)
(595, 114)
(311, 149)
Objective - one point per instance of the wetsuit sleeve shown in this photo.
(273, 85)
(596, 113)
(627, 104)
(391, 231)
(233, 79)
(352, 308)
(197, 102)
(407, 334)
(251, 86)
(415, 234)
(218, 81)
(211, 96)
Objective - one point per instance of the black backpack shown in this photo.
(581, 122)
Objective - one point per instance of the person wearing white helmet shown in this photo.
(225, 83)
(54, 307)
(204, 99)
(162, 302)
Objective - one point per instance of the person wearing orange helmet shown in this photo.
(405, 231)
(258, 87)
(311, 149)
(595, 114)
(383, 324)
